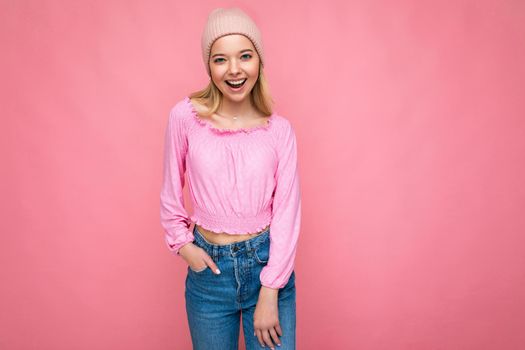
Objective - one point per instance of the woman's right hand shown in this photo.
(197, 258)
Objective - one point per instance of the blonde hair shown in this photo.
(260, 96)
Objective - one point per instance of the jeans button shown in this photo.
(235, 248)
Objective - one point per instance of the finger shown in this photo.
(267, 339)
(274, 336)
(259, 337)
(198, 269)
(279, 330)
(212, 265)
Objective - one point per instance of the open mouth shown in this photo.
(236, 83)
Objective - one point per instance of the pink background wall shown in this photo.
(410, 123)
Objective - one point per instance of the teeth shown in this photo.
(236, 82)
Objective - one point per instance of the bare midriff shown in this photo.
(223, 238)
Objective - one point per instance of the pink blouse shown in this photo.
(240, 181)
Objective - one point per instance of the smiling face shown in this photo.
(233, 59)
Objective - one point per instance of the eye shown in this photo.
(247, 55)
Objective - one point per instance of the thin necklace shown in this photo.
(234, 117)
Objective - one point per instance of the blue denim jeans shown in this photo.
(216, 303)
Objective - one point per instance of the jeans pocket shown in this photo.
(262, 253)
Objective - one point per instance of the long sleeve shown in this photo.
(173, 216)
(286, 213)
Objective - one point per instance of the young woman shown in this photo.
(241, 161)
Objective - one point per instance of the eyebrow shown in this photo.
(221, 54)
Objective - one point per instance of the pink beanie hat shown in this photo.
(222, 22)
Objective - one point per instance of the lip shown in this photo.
(237, 89)
(235, 79)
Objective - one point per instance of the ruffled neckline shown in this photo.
(224, 131)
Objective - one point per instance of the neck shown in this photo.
(236, 108)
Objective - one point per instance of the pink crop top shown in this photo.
(240, 181)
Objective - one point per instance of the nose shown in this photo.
(234, 67)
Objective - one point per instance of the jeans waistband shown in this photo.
(231, 249)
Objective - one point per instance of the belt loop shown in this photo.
(215, 252)
(248, 248)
